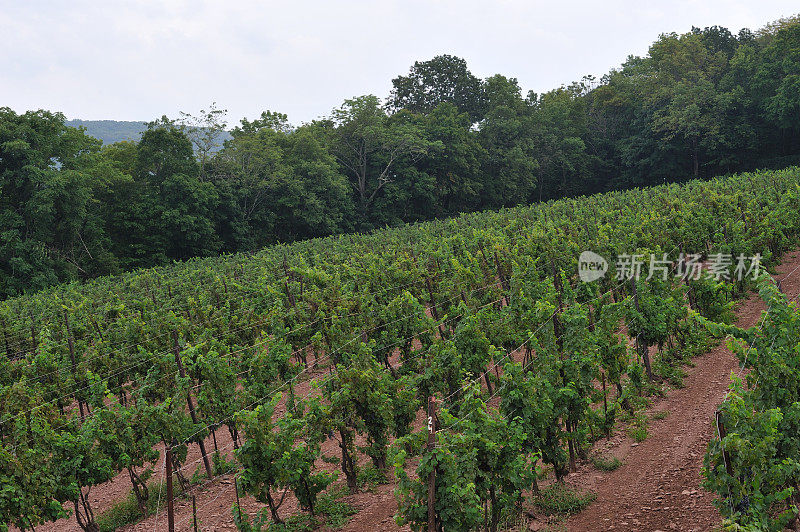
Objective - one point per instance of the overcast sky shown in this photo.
(139, 60)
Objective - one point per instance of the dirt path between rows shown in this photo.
(658, 485)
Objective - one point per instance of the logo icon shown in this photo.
(591, 266)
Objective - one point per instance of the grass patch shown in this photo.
(331, 512)
(295, 523)
(126, 511)
(605, 463)
(661, 414)
(671, 372)
(638, 433)
(336, 511)
(370, 478)
(639, 402)
(560, 499)
(120, 513)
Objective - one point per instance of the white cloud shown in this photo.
(139, 60)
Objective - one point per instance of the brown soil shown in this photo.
(656, 488)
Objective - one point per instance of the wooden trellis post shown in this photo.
(432, 476)
(170, 507)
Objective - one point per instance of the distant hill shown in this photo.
(111, 131)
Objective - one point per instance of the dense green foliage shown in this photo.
(754, 465)
(97, 376)
(445, 142)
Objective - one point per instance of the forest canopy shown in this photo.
(444, 141)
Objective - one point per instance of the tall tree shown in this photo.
(285, 183)
(368, 145)
(177, 206)
(206, 131)
(683, 90)
(52, 231)
(454, 162)
(778, 78)
(445, 78)
(559, 118)
(506, 133)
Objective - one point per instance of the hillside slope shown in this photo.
(441, 309)
(110, 131)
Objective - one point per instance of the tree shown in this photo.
(682, 89)
(52, 229)
(174, 208)
(454, 161)
(244, 172)
(506, 133)
(315, 200)
(368, 146)
(206, 131)
(778, 78)
(284, 183)
(445, 78)
(559, 118)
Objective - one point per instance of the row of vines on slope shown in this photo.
(753, 463)
(478, 311)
